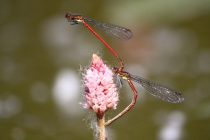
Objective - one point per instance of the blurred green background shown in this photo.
(42, 57)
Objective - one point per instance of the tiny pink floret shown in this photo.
(100, 89)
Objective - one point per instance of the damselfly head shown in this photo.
(74, 18)
(115, 70)
(68, 15)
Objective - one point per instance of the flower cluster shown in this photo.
(100, 89)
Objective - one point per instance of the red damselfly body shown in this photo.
(162, 92)
(109, 29)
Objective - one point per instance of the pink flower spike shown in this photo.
(100, 90)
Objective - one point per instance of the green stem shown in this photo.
(101, 126)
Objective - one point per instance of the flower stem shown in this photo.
(101, 126)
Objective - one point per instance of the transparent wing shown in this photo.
(110, 29)
(118, 81)
(158, 90)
